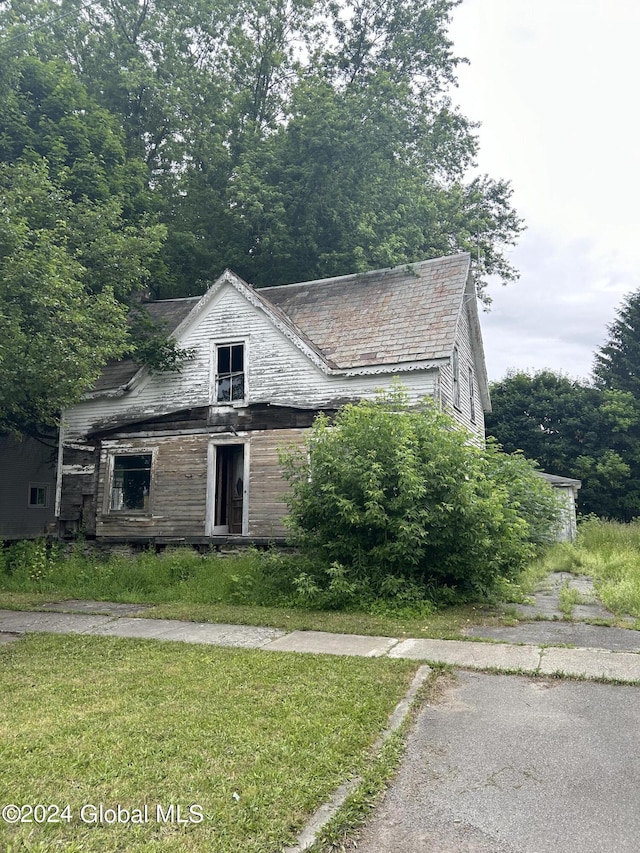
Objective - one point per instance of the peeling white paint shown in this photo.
(278, 372)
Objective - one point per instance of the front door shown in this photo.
(229, 488)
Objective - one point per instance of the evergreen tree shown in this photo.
(617, 364)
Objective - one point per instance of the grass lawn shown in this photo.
(257, 740)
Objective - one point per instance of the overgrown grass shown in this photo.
(252, 587)
(258, 740)
(609, 552)
(176, 574)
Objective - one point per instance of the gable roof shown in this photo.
(385, 318)
(170, 313)
(388, 316)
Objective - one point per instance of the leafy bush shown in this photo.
(385, 491)
(535, 500)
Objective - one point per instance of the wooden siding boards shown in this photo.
(177, 505)
(467, 359)
(267, 487)
(178, 502)
(77, 510)
(278, 373)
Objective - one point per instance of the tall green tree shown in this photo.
(617, 362)
(574, 430)
(288, 139)
(73, 249)
(55, 334)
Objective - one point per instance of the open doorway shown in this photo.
(229, 490)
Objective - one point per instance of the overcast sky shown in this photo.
(554, 84)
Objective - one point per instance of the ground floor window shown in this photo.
(131, 482)
(38, 495)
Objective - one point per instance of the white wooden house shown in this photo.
(193, 456)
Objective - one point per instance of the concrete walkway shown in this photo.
(528, 658)
(493, 764)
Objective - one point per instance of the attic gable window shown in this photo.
(230, 379)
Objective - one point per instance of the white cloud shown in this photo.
(556, 315)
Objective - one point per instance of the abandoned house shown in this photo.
(193, 456)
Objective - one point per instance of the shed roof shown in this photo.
(560, 482)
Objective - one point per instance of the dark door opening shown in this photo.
(229, 487)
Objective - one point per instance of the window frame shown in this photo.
(455, 378)
(472, 395)
(115, 453)
(47, 492)
(215, 375)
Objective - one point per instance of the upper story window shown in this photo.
(455, 365)
(230, 378)
(131, 483)
(472, 397)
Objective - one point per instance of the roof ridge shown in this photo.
(364, 274)
(174, 299)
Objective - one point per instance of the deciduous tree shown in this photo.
(574, 430)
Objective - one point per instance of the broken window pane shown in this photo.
(224, 390)
(237, 387)
(131, 482)
(230, 373)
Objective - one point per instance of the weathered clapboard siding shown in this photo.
(267, 487)
(277, 372)
(292, 343)
(178, 500)
(177, 505)
(23, 463)
(466, 360)
(78, 490)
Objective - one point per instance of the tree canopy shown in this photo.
(288, 140)
(573, 430)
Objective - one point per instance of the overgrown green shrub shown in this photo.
(385, 491)
(535, 500)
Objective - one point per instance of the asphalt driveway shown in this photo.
(500, 764)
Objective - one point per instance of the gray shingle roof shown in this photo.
(170, 313)
(389, 316)
(385, 317)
